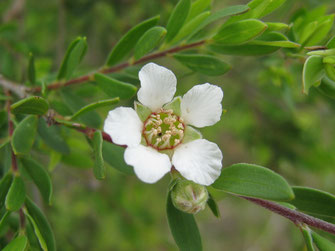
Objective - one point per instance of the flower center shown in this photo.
(163, 130)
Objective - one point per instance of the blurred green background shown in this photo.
(268, 122)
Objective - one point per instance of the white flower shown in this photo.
(159, 133)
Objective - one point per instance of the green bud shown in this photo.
(189, 197)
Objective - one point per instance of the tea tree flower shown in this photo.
(159, 132)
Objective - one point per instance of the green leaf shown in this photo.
(274, 39)
(5, 183)
(24, 135)
(327, 87)
(129, 40)
(329, 60)
(331, 43)
(276, 26)
(174, 105)
(239, 32)
(95, 105)
(307, 233)
(150, 39)
(37, 232)
(314, 201)
(42, 224)
(113, 155)
(98, 168)
(330, 71)
(31, 70)
(183, 228)
(52, 137)
(40, 177)
(322, 243)
(312, 73)
(31, 105)
(213, 206)
(205, 64)
(262, 8)
(16, 194)
(4, 220)
(74, 55)
(115, 88)
(142, 111)
(197, 7)
(177, 19)
(254, 181)
(20, 243)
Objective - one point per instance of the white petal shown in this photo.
(149, 165)
(201, 106)
(124, 126)
(199, 161)
(158, 86)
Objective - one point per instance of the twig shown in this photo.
(19, 90)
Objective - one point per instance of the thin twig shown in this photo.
(18, 89)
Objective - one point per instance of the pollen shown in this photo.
(163, 130)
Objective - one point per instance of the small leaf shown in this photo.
(4, 220)
(142, 111)
(177, 19)
(314, 201)
(150, 39)
(113, 155)
(24, 135)
(5, 184)
(254, 181)
(213, 206)
(307, 233)
(330, 71)
(31, 70)
(98, 168)
(42, 224)
(95, 105)
(129, 40)
(31, 105)
(276, 26)
(174, 105)
(197, 7)
(262, 8)
(40, 177)
(115, 88)
(52, 137)
(16, 194)
(327, 87)
(20, 243)
(74, 55)
(37, 232)
(183, 227)
(322, 243)
(331, 43)
(275, 39)
(312, 73)
(204, 64)
(239, 32)
(191, 134)
(329, 60)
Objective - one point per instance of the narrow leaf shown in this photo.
(204, 64)
(31, 70)
(37, 232)
(40, 177)
(150, 39)
(213, 206)
(5, 184)
(42, 224)
(197, 7)
(20, 243)
(307, 234)
(24, 135)
(98, 168)
(177, 18)
(31, 105)
(312, 73)
(115, 88)
(327, 87)
(183, 227)
(254, 181)
(322, 243)
(129, 40)
(276, 26)
(16, 194)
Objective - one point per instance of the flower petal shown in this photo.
(158, 86)
(149, 165)
(201, 106)
(199, 161)
(124, 126)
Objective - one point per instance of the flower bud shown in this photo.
(189, 197)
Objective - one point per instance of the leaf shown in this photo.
(113, 155)
(16, 194)
(129, 40)
(314, 201)
(276, 26)
(95, 105)
(31, 70)
(183, 228)
(40, 177)
(52, 137)
(5, 183)
(42, 224)
(317, 31)
(20, 243)
(331, 43)
(24, 135)
(262, 8)
(322, 243)
(197, 7)
(274, 39)
(115, 88)
(150, 39)
(177, 18)
(213, 206)
(307, 233)
(31, 105)
(74, 55)
(330, 71)
(254, 181)
(312, 73)
(205, 64)
(4, 220)
(327, 87)
(98, 168)
(239, 32)
(37, 232)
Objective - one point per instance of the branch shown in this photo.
(18, 89)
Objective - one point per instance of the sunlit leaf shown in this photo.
(197, 7)
(312, 73)
(307, 234)
(37, 232)
(31, 105)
